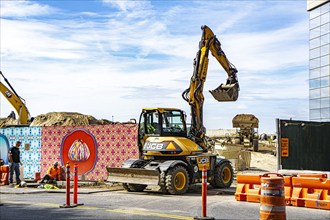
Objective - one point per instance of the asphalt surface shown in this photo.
(115, 203)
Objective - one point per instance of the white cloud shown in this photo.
(23, 8)
(123, 61)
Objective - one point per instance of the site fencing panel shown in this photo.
(304, 145)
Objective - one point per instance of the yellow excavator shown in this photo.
(171, 157)
(16, 101)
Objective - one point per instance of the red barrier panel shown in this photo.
(311, 192)
(4, 175)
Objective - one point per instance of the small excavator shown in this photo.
(170, 156)
(16, 101)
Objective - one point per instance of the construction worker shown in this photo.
(15, 160)
(53, 174)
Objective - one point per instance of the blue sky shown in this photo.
(112, 58)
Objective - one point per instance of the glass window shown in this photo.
(314, 43)
(324, 81)
(325, 50)
(315, 12)
(314, 83)
(314, 103)
(325, 29)
(325, 92)
(314, 73)
(325, 18)
(314, 63)
(315, 33)
(152, 122)
(314, 53)
(313, 23)
(325, 39)
(314, 114)
(324, 8)
(325, 103)
(325, 60)
(325, 113)
(314, 94)
(325, 71)
(172, 122)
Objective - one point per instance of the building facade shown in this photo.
(319, 59)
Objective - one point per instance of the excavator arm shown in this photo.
(194, 94)
(16, 101)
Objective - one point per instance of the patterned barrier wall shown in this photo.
(114, 144)
(42, 146)
(30, 150)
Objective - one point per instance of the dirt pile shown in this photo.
(59, 119)
(4, 122)
(66, 119)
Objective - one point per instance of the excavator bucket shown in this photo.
(226, 93)
(133, 176)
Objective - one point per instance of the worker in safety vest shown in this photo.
(53, 174)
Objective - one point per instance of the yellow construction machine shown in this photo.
(247, 130)
(16, 101)
(171, 157)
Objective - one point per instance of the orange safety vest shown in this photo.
(54, 172)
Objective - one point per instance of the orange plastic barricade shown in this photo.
(311, 192)
(248, 187)
(272, 199)
(288, 189)
(4, 175)
(315, 175)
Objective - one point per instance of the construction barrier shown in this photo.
(248, 187)
(75, 186)
(272, 199)
(67, 204)
(204, 196)
(311, 190)
(4, 175)
(287, 189)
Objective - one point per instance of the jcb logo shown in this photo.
(153, 146)
(203, 160)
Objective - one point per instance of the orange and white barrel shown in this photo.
(272, 197)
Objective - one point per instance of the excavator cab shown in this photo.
(162, 122)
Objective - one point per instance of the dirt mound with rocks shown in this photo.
(4, 122)
(59, 119)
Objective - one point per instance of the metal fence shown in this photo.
(303, 145)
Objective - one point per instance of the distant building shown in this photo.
(319, 59)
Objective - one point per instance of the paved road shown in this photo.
(146, 205)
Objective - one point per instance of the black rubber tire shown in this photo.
(162, 179)
(255, 144)
(223, 176)
(177, 180)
